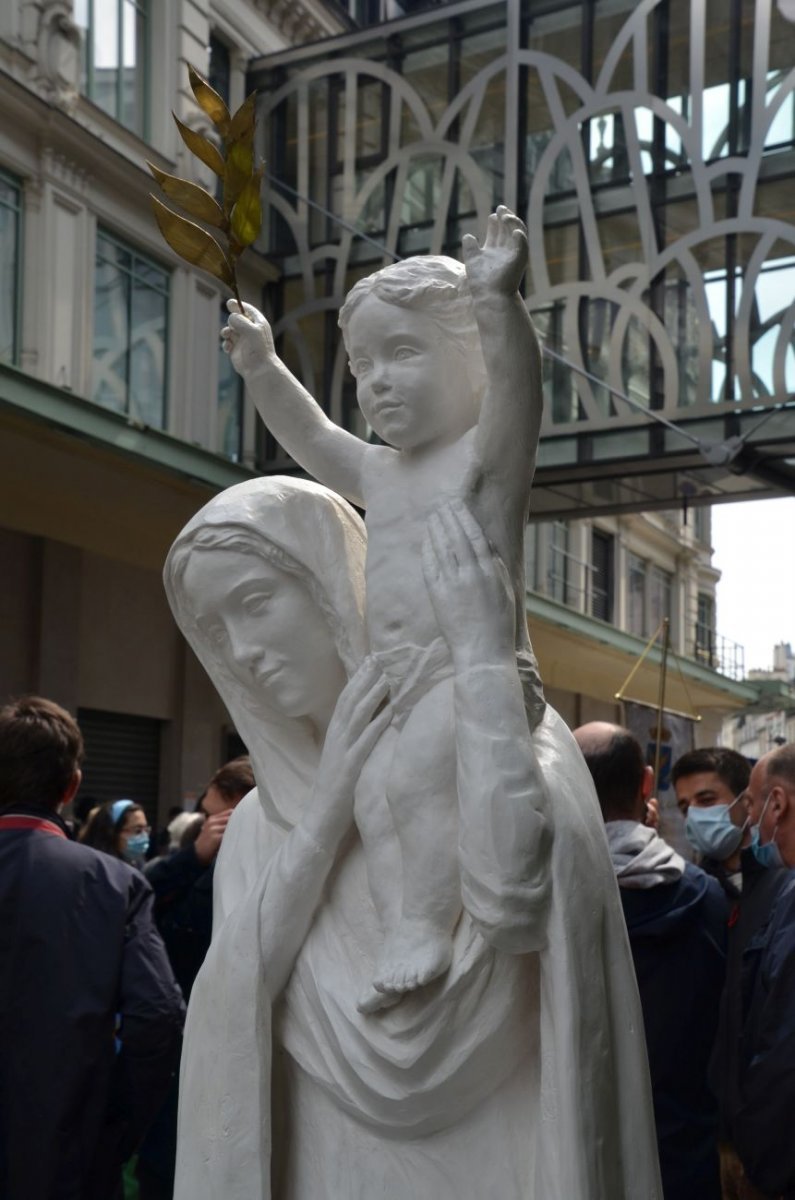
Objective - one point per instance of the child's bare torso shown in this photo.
(400, 492)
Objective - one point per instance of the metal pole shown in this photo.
(666, 631)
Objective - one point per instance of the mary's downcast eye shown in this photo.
(256, 604)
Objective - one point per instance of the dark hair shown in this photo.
(41, 747)
(617, 766)
(234, 778)
(102, 832)
(730, 767)
(782, 764)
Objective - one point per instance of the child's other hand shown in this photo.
(498, 265)
(247, 339)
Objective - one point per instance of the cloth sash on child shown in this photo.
(412, 671)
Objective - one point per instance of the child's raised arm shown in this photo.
(510, 416)
(330, 454)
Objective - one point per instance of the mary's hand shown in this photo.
(469, 588)
(362, 714)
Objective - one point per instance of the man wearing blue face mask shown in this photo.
(709, 786)
(712, 788)
(762, 1125)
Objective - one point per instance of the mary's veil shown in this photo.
(307, 530)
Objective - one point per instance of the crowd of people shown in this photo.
(99, 946)
(102, 935)
(714, 951)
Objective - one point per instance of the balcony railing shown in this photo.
(714, 650)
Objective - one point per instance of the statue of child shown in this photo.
(448, 374)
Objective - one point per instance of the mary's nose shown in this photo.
(241, 652)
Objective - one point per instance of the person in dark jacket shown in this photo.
(676, 918)
(90, 1013)
(183, 882)
(762, 1122)
(710, 785)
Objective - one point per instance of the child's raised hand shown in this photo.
(498, 265)
(247, 339)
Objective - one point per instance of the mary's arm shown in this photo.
(506, 830)
(289, 887)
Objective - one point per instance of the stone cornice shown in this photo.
(301, 21)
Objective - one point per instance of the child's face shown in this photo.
(411, 381)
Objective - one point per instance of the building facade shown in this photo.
(650, 148)
(119, 419)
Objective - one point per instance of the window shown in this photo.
(10, 231)
(558, 574)
(220, 70)
(602, 558)
(705, 630)
(650, 596)
(636, 598)
(130, 332)
(660, 589)
(115, 57)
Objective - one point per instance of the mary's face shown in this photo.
(265, 626)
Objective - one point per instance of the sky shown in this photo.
(754, 548)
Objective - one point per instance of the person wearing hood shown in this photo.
(676, 919)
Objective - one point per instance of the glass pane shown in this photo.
(230, 408)
(219, 73)
(148, 355)
(422, 191)
(133, 81)
(111, 328)
(426, 71)
(105, 54)
(636, 607)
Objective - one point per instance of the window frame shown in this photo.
(16, 184)
(143, 8)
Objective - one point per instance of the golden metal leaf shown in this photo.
(193, 243)
(238, 171)
(194, 199)
(200, 146)
(241, 125)
(247, 214)
(209, 100)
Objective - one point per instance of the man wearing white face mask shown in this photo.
(763, 1124)
(709, 785)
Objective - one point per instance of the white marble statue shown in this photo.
(447, 370)
(519, 1073)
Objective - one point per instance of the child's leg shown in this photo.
(423, 800)
(377, 831)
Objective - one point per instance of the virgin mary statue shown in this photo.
(519, 1075)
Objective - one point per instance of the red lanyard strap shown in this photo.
(15, 821)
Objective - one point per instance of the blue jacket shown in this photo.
(764, 1127)
(90, 1014)
(677, 932)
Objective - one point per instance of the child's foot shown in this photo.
(413, 955)
(374, 1001)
